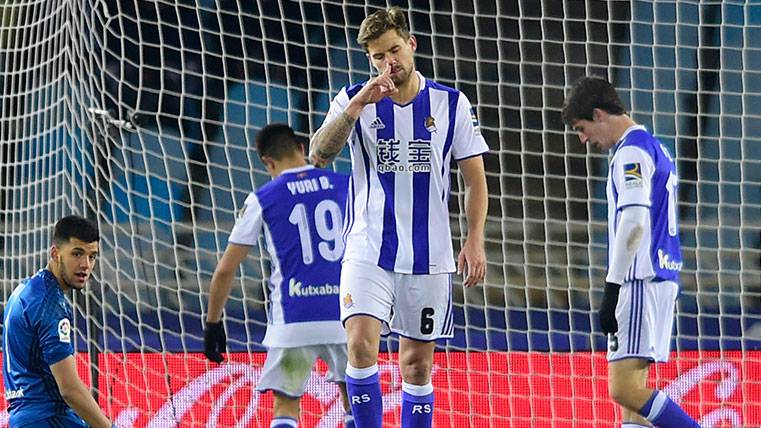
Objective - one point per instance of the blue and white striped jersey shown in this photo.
(36, 334)
(643, 173)
(301, 215)
(398, 215)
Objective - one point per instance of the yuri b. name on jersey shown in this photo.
(309, 185)
(297, 289)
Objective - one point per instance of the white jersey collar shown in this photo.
(628, 131)
(297, 169)
(421, 82)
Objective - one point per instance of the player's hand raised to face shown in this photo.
(378, 88)
(214, 341)
(472, 261)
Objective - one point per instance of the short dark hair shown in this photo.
(74, 226)
(587, 94)
(277, 141)
(381, 21)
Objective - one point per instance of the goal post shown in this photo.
(142, 115)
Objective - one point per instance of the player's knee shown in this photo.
(363, 352)
(624, 394)
(416, 371)
(363, 334)
(617, 394)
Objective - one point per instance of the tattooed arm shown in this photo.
(329, 140)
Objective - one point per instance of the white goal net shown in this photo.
(142, 115)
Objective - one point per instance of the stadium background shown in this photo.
(187, 84)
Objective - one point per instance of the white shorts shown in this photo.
(287, 370)
(645, 315)
(414, 306)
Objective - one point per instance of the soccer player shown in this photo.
(42, 385)
(644, 258)
(403, 131)
(301, 214)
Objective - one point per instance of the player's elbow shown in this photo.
(223, 273)
(635, 236)
(70, 392)
(475, 182)
(67, 395)
(633, 222)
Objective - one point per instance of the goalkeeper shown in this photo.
(403, 132)
(42, 386)
(300, 213)
(644, 256)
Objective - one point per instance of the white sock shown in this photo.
(365, 373)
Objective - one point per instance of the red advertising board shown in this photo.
(496, 389)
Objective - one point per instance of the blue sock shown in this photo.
(417, 405)
(664, 413)
(284, 422)
(349, 420)
(363, 386)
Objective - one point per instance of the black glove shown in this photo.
(214, 341)
(607, 309)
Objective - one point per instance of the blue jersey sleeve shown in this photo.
(54, 331)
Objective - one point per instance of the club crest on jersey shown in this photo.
(632, 175)
(348, 302)
(430, 124)
(64, 331)
(377, 123)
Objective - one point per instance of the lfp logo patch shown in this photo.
(632, 174)
(64, 331)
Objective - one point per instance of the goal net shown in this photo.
(142, 115)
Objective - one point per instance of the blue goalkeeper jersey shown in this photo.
(36, 333)
(301, 215)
